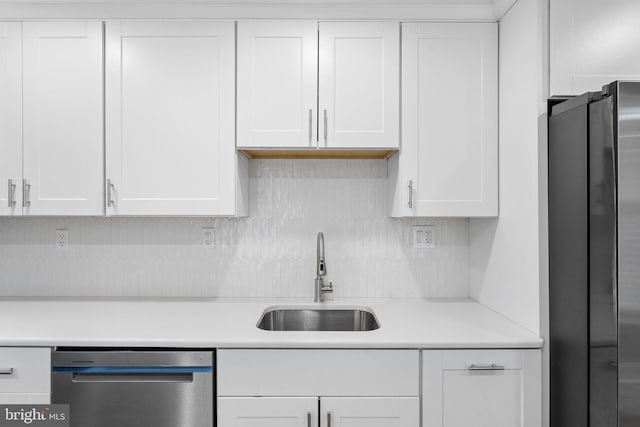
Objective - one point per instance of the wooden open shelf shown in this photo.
(318, 154)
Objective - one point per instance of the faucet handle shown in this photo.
(327, 288)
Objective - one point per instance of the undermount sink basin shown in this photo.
(318, 319)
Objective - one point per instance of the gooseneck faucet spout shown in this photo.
(321, 265)
(321, 270)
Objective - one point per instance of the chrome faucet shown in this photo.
(320, 290)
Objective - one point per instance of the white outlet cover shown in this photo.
(208, 238)
(424, 236)
(62, 240)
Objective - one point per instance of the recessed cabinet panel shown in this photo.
(491, 398)
(170, 118)
(277, 83)
(455, 172)
(267, 411)
(359, 84)
(10, 118)
(449, 160)
(63, 118)
(371, 411)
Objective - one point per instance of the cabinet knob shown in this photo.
(6, 371)
(410, 194)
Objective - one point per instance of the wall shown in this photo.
(593, 42)
(269, 254)
(505, 252)
(509, 256)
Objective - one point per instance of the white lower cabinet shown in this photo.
(366, 388)
(267, 411)
(331, 411)
(311, 388)
(25, 375)
(369, 411)
(481, 388)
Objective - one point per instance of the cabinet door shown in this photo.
(449, 153)
(464, 388)
(170, 118)
(10, 118)
(369, 411)
(267, 411)
(359, 87)
(25, 375)
(277, 83)
(63, 118)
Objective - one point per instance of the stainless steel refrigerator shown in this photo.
(594, 258)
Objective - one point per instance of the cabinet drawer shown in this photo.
(318, 372)
(456, 359)
(24, 374)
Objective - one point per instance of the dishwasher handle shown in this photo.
(80, 377)
(131, 374)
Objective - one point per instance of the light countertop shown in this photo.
(419, 323)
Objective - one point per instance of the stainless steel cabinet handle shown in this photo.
(308, 419)
(26, 193)
(410, 194)
(6, 371)
(328, 419)
(110, 188)
(310, 126)
(11, 196)
(326, 128)
(487, 367)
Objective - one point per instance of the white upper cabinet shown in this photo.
(593, 42)
(51, 118)
(277, 83)
(359, 84)
(63, 118)
(306, 84)
(10, 118)
(170, 118)
(449, 160)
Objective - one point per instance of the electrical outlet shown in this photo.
(208, 238)
(62, 240)
(424, 236)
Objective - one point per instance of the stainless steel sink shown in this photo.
(318, 319)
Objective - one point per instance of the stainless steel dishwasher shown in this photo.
(135, 388)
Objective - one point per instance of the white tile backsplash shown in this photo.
(269, 254)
